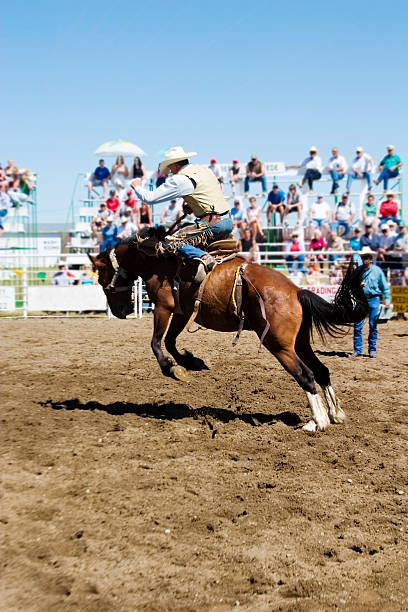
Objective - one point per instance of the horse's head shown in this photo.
(116, 279)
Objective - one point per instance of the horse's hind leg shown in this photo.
(322, 377)
(186, 359)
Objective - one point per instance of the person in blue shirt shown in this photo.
(99, 178)
(109, 234)
(356, 239)
(375, 285)
(389, 167)
(276, 202)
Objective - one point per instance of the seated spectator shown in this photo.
(369, 238)
(131, 201)
(399, 252)
(255, 172)
(113, 203)
(343, 216)
(319, 214)
(356, 240)
(385, 243)
(99, 178)
(63, 278)
(144, 216)
(171, 213)
(389, 167)
(119, 175)
(370, 211)
(293, 202)
(276, 202)
(295, 259)
(235, 175)
(254, 254)
(317, 245)
(5, 201)
(27, 182)
(336, 274)
(160, 177)
(217, 172)
(109, 233)
(337, 167)
(254, 218)
(238, 220)
(87, 276)
(138, 172)
(389, 208)
(2, 174)
(361, 168)
(313, 275)
(247, 241)
(313, 168)
(334, 243)
(126, 229)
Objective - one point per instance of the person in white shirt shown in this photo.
(171, 213)
(319, 215)
(127, 229)
(361, 168)
(313, 168)
(217, 172)
(343, 215)
(337, 167)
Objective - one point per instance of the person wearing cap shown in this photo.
(255, 172)
(369, 238)
(131, 202)
(99, 177)
(385, 243)
(375, 285)
(343, 215)
(295, 258)
(112, 203)
(293, 203)
(127, 229)
(171, 213)
(371, 211)
(355, 241)
(63, 278)
(389, 208)
(400, 248)
(313, 168)
(235, 175)
(238, 220)
(202, 196)
(276, 203)
(109, 234)
(337, 167)
(217, 172)
(389, 167)
(361, 168)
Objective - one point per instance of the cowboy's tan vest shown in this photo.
(207, 197)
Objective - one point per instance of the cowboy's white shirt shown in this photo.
(174, 187)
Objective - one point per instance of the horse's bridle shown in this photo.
(119, 272)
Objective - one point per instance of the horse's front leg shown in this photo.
(186, 359)
(161, 320)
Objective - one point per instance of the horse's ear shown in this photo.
(96, 263)
(92, 258)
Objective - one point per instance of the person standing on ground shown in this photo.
(375, 285)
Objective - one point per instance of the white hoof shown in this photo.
(336, 414)
(319, 413)
(179, 373)
(310, 427)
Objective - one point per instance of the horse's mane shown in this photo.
(150, 241)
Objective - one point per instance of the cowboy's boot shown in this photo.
(205, 265)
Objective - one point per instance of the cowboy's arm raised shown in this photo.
(174, 187)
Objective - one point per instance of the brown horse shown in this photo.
(291, 313)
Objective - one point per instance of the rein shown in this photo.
(119, 272)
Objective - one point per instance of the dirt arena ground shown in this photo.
(124, 490)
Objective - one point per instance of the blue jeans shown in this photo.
(385, 176)
(252, 180)
(108, 243)
(353, 175)
(373, 309)
(335, 226)
(220, 230)
(296, 263)
(336, 177)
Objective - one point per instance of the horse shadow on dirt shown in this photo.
(170, 412)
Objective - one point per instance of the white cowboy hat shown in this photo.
(173, 155)
(313, 150)
(366, 250)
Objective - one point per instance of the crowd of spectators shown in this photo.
(16, 186)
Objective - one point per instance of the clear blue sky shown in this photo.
(225, 79)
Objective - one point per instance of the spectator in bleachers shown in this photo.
(393, 228)
(217, 172)
(337, 167)
(254, 218)
(313, 168)
(334, 243)
(389, 167)
(160, 177)
(99, 178)
(144, 216)
(131, 202)
(293, 202)
(400, 249)
(87, 277)
(370, 238)
(313, 275)
(317, 245)
(2, 174)
(171, 213)
(276, 203)
(336, 274)
(343, 215)
(5, 201)
(119, 176)
(355, 241)
(113, 203)
(235, 175)
(138, 172)
(238, 220)
(319, 214)
(109, 233)
(26, 183)
(389, 208)
(385, 243)
(12, 174)
(361, 168)
(63, 278)
(255, 172)
(295, 259)
(247, 241)
(371, 211)
(126, 229)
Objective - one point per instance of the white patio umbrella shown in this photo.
(119, 147)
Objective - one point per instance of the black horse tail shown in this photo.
(349, 306)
